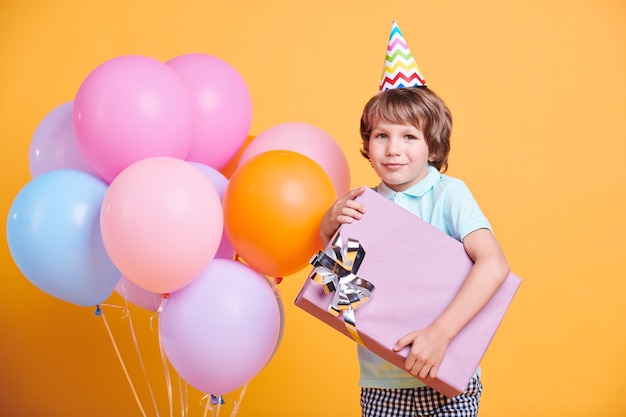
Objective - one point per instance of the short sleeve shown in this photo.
(463, 214)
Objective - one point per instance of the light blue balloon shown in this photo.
(53, 232)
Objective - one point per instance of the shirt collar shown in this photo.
(416, 190)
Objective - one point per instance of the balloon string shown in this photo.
(208, 405)
(119, 357)
(238, 402)
(163, 298)
(141, 362)
(184, 396)
(168, 380)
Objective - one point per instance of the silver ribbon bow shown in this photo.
(335, 270)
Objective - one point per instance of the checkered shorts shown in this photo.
(418, 402)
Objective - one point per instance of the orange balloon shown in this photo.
(273, 206)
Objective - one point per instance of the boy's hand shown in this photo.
(344, 210)
(428, 347)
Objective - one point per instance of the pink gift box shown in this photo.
(416, 270)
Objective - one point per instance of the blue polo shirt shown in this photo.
(446, 203)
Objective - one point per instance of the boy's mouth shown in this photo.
(393, 166)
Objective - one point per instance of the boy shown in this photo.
(405, 133)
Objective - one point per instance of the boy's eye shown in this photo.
(410, 137)
(380, 136)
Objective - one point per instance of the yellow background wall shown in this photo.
(538, 92)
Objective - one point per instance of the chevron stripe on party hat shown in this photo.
(400, 70)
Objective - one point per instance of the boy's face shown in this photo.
(399, 154)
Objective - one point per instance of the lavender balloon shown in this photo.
(53, 145)
(221, 330)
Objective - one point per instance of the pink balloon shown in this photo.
(222, 106)
(131, 108)
(220, 182)
(221, 330)
(136, 295)
(161, 223)
(309, 141)
(54, 146)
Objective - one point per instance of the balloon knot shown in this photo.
(217, 399)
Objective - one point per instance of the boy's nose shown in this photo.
(393, 146)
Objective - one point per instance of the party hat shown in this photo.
(400, 70)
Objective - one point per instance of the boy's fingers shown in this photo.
(403, 342)
(357, 191)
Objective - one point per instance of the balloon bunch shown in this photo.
(127, 196)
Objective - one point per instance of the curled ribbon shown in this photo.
(335, 270)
